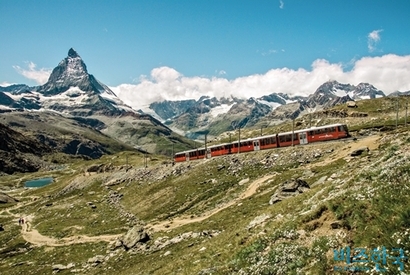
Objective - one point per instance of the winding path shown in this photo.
(34, 237)
(177, 222)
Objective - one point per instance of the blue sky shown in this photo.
(204, 45)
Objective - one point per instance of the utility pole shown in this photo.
(239, 140)
(293, 129)
(230, 144)
(172, 155)
(405, 117)
(206, 148)
(397, 112)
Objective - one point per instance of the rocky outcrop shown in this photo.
(4, 198)
(135, 235)
(359, 151)
(84, 147)
(288, 189)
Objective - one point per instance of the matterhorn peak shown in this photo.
(72, 53)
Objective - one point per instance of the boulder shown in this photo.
(288, 189)
(96, 259)
(359, 151)
(351, 104)
(135, 235)
(59, 267)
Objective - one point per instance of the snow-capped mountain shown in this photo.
(366, 91)
(70, 89)
(212, 115)
(329, 94)
(332, 92)
(74, 93)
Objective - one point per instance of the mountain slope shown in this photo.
(18, 152)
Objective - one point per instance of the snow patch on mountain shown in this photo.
(272, 105)
(221, 109)
(339, 92)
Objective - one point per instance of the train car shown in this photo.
(286, 139)
(196, 154)
(220, 149)
(328, 132)
(246, 145)
(193, 154)
(180, 157)
(268, 142)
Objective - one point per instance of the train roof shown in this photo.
(310, 129)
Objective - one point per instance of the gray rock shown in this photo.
(96, 259)
(59, 267)
(336, 225)
(359, 151)
(289, 189)
(135, 235)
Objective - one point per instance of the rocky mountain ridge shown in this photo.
(214, 116)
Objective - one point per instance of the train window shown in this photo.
(289, 138)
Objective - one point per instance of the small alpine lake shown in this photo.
(38, 182)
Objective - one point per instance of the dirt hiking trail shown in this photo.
(183, 220)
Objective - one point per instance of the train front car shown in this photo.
(327, 132)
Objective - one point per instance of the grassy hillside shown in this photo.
(214, 216)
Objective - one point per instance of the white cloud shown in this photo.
(372, 39)
(221, 72)
(269, 52)
(388, 73)
(40, 76)
(5, 84)
(281, 4)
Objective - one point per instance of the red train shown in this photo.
(304, 136)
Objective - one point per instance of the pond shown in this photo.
(38, 182)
